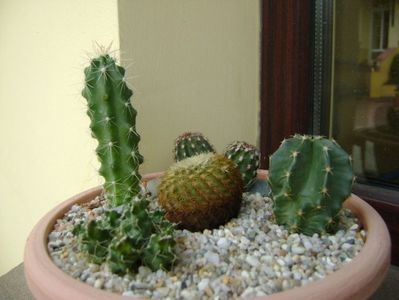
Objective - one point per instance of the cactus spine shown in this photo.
(190, 144)
(310, 177)
(113, 125)
(202, 191)
(246, 157)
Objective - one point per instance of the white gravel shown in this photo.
(250, 256)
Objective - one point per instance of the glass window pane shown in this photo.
(365, 105)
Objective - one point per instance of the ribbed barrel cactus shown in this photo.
(202, 191)
(128, 234)
(246, 157)
(190, 144)
(310, 178)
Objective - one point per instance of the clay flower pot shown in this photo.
(357, 279)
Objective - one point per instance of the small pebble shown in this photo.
(99, 283)
(203, 284)
(223, 243)
(253, 261)
(212, 258)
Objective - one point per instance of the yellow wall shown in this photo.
(198, 63)
(196, 68)
(46, 152)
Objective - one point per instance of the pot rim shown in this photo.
(357, 279)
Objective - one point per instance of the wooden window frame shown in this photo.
(295, 83)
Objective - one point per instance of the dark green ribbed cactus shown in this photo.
(129, 234)
(246, 157)
(129, 238)
(190, 144)
(310, 178)
(202, 191)
(113, 125)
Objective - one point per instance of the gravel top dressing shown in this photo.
(249, 256)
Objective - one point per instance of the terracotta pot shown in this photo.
(355, 280)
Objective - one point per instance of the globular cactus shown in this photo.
(246, 157)
(202, 191)
(190, 144)
(129, 234)
(113, 125)
(310, 178)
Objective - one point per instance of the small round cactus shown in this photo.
(202, 191)
(190, 144)
(310, 178)
(246, 157)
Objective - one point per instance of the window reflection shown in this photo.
(366, 87)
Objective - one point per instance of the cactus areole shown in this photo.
(113, 125)
(310, 178)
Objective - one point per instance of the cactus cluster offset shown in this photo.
(190, 144)
(246, 157)
(310, 178)
(113, 125)
(127, 239)
(201, 192)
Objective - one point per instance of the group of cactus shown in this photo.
(244, 155)
(309, 176)
(129, 234)
(129, 238)
(203, 190)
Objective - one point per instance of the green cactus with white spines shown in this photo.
(113, 125)
(128, 234)
(310, 178)
(129, 238)
(190, 144)
(246, 157)
(201, 192)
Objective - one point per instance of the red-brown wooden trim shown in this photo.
(285, 72)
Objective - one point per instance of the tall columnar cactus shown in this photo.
(129, 234)
(246, 157)
(113, 125)
(202, 191)
(310, 177)
(190, 144)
